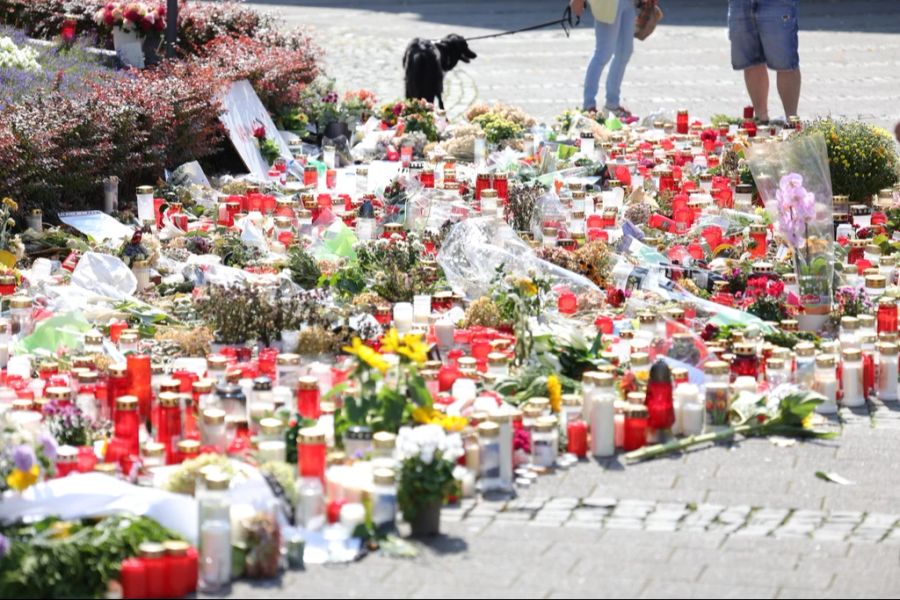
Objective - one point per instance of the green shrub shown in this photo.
(863, 158)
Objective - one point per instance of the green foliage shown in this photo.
(303, 267)
(347, 281)
(59, 559)
(862, 158)
(787, 339)
(424, 484)
(270, 150)
(722, 120)
(496, 128)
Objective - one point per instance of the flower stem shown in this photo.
(648, 452)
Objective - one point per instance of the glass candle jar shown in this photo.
(718, 403)
(745, 362)
(308, 397)
(691, 409)
(681, 122)
(872, 253)
(169, 426)
(20, 319)
(152, 555)
(887, 371)
(758, 235)
(504, 420)
(805, 360)
(852, 378)
(862, 215)
(576, 436)
(849, 336)
(145, 208)
(213, 431)
(635, 427)
(403, 317)
(139, 375)
(549, 236)
(384, 500)
(288, 370)
(544, 443)
(887, 316)
(311, 450)
(743, 197)
(602, 416)
(7, 285)
(187, 450)
(215, 533)
(489, 455)
(310, 176)
(717, 371)
(856, 252)
(182, 579)
(826, 383)
(66, 460)
(127, 423)
(309, 513)
(133, 577)
(875, 286)
(500, 184)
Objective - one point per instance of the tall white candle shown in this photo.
(403, 317)
(215, 555)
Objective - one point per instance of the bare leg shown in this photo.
(757, 80)
(789, 90)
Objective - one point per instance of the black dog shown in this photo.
(426, 62)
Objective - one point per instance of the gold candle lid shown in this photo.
(311, 435)
(214, 416)
(876, 282)
(271, 426)
(384, 440)
(288, 359)
(153, 450)
(826, 361)
(716, 367)
(853, 354)
(640, 359)
(887, 348)
(126, 403)
(168, 399)
(488, 429)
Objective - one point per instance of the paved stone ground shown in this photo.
(738, 520)
(849, 54)
(743, 520)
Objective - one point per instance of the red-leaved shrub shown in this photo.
(279, 75)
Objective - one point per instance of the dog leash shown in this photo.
(565, 22)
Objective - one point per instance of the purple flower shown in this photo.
(4, 545)
(49, 443)
(796, 206)
(24, 458)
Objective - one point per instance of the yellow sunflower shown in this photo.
(367, 355)
(554, 392)
(527, 286)
(20, 480)
(410, 345)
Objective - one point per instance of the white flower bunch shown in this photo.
(425, 440)
(12, 56)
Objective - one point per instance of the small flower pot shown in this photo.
(427, 522)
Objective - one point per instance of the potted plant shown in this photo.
(428, 457)
(136, 29)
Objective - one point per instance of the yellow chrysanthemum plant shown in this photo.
(389, 389)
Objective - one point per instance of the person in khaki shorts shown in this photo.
(763, 36)
(614, 39)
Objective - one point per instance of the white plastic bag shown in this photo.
(105, 275)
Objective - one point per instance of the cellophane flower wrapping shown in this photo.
(794, 181)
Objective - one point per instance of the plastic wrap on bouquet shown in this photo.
(432, 209)
(794, 180)
(475, 249)
(548, 212)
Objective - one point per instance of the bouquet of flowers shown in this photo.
(794, 180)
(428, 456)
(359, 104)
(140, 17)
(14, 57)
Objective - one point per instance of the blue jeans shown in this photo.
(613, 40)
(763, 32)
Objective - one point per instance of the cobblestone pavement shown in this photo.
(749, 519)
(849, 54)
